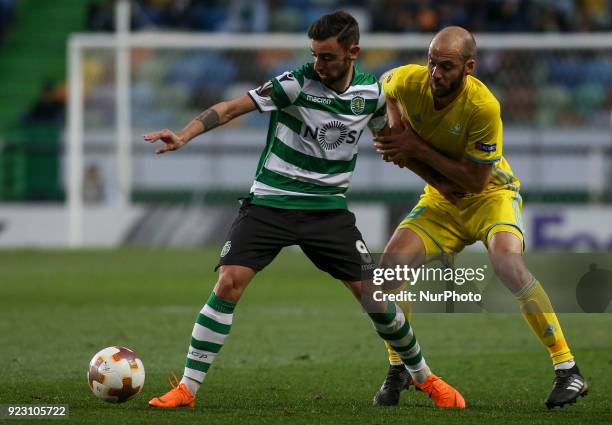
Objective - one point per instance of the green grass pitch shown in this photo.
(300, 352)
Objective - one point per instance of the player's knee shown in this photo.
(230, 285)
(405, 248)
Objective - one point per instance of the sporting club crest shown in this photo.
(358, 105)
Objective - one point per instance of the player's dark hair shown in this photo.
(338, 24)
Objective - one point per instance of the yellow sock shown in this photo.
(394, 358)
(539, 314)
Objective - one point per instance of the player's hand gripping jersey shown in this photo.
(470, 127)
(311, 147)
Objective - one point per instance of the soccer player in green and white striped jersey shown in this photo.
(319, 112)
(311, 149)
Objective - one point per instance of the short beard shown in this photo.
(330, 81)
(453, 86)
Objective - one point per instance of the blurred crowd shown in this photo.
(373, 15)
(542, 88)
(545, 89)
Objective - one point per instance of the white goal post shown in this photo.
(122, 41)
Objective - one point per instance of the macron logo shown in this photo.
(315, 99)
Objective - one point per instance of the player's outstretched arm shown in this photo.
(218, 114)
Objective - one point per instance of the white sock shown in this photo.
(208, 336)
(565, 365)
(420, 371)
(192, 386)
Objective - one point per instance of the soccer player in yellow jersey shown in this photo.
(446, 127)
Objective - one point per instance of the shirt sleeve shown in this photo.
(484, 135)
(389, 82)
(278, 93)
(378, 120)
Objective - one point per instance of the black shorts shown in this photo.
(328, 237)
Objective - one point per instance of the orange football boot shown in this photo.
(178, 396)
(441, 393)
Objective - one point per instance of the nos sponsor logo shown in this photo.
(332, 135)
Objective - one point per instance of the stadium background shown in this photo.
(556, 106)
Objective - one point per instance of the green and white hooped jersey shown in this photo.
(311, 146)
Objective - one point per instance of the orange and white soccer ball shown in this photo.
(115, 374)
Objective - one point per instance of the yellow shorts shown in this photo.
(445, 228)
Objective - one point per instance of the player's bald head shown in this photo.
(454, 39)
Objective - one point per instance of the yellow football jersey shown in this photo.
(470, 127)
